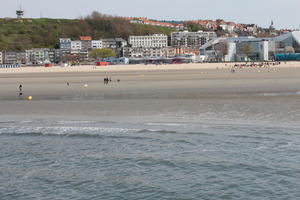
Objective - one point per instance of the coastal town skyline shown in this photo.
(239, 12)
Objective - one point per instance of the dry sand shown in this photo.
(89, 68)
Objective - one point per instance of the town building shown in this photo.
(14, 57)
(250, 29)
(227, 26)
(114, 43)
(148, 52)
(158, 52)
(86, 43)
(76, 46)
(156, 40)
(73, 51)
(54, 55)
(65, 44)
(1, 57)
(249, 48)
(97, 44)
(37, 56)
(191, 39)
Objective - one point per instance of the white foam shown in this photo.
(63, 130)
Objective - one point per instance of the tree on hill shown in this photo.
(289, 49)
(194, 27)
(102, 53)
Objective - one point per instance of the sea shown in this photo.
(177, 159)
(243, 146)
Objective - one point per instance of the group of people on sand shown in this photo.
(262, 64)
(107, 80)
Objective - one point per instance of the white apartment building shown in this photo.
(191, 39)
(97, 44)
(149, 52)
(65, 43)
(76, 46)
(156, 40)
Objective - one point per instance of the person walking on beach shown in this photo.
(20, 90)
(106, 81)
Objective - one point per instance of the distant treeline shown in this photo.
(44, 33)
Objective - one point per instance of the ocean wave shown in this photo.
(156, 131)
(163, 131)
(166, 124)
(84, 131)
(63, 131)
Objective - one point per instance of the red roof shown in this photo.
(85, 38)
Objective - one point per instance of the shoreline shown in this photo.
(139, 67)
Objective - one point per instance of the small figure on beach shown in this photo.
(20, 90)
(106, 81)
(68, 84)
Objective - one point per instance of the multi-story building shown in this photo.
(114, 43)
(97, 44)
(54, 55)
(78, 49)
(144, 52)
(65, 44)
(13, 57)
(147, 52)
(158, 52)
(1, 58)
(76, 46)
(37, 56)
(86, 43)
(156, 40)
(191, 39)
(250, 48)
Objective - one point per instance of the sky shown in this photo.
(284, 13)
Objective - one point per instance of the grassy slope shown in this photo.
(44, 32)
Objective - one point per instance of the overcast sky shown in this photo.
(285, 13)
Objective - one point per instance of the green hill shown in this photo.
(44, 32)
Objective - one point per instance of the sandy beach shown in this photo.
(207, 90)
(90, 68)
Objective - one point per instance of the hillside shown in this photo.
(44, 32)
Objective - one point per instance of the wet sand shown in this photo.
(194, 93)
